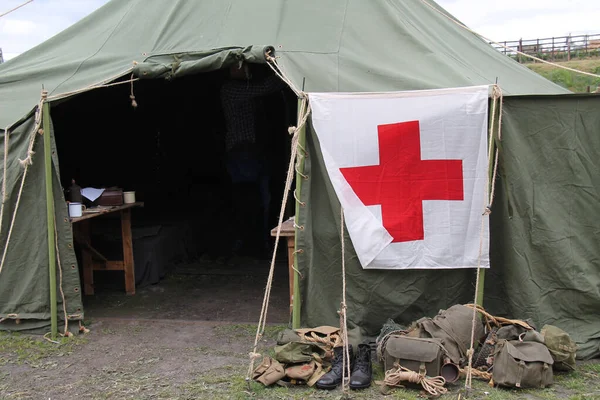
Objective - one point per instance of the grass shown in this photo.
(143, 378)
(571, 80)
(16, 348)
(247, 330)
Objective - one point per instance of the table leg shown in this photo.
(291, 246)
(128, 265)
(86, 258)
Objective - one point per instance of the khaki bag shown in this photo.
(420, 355)
(300, 352)
(562, 348)
(522, 364)
(306, 373)
(453, 328)
(268, 372)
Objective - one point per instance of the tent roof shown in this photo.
(336, 45)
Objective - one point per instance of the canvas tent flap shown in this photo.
(171, 66)
(545, 224)
(24, 289)
(544, 253)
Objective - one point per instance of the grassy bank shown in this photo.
(571, 80)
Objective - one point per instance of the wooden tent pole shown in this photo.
(479, 300)
(480, 292)
(50, 214)
(299, 169)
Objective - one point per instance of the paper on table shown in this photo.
(91, 193)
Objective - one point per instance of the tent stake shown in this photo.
(50, 213)
(300, 167)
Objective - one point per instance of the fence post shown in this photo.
(520, 49)
(569, 47)
(552, 49)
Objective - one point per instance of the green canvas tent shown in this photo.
(330, 45)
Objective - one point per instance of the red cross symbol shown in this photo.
(402, 180)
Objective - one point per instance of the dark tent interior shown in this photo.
(171, 150)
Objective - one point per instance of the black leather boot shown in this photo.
(361, 373)
(333, 378)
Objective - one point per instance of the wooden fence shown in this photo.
(553, 49)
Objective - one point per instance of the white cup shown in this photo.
(76, 210)
(129, 197)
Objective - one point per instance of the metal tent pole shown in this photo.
(50, 214)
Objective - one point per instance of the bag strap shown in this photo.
(520, 374)
(542, 384)
(319, 372)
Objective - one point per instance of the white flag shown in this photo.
(410, 170)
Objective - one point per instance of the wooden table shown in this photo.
(92, 259)
(289, 232)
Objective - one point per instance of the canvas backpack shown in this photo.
(422, 355)
(562, 348)
(453, 328)
(522, 364)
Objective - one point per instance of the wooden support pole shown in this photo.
(128, 264)
(50, 215)
(299, 167)
(481, 273)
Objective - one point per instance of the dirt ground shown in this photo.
(188, 337)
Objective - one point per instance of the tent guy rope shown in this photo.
(488, 200)
(15, 9)
(344, 313)
(504, 46)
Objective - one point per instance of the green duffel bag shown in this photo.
(522, 364)
(423, 355)
(562, 348)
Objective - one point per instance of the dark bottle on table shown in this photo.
(75, 193)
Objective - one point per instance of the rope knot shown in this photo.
(488, 210)
(496, 92)
(44, 95)
(292, 130)
(253, 356)
(134, 103)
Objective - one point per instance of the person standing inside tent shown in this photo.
(246, 158)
